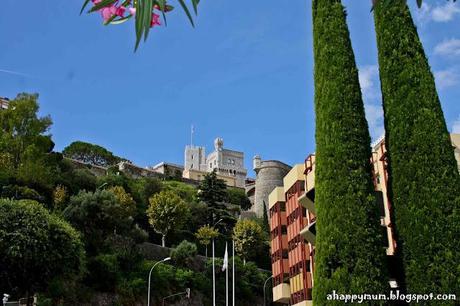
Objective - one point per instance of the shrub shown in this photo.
(424, 181)
(349, 255)
(36, 247)
(184, 253)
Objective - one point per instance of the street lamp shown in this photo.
(5, 298)
(214, 269)
(265, 300)
(186, 293)
(102, 186)
(150, 275)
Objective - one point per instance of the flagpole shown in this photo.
(233, 272)
(191, 135)
(213, 277)
(226, 277)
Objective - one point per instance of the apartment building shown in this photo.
(293, 207)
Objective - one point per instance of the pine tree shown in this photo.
(213, 192)
(424, 179)
(350, 255)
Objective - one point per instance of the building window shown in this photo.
(192, 156)
(210, 165)
(282, 206)
(283, 230)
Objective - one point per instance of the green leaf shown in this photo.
(139, 22)
(147, 17)
(195, 6)
(419, 3)
(162, 5)
(187, 12)
(83, 6)
(121, 20)
(101, 5)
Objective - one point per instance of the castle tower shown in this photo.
(270, 174)
(195, 158)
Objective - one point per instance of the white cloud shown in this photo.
(446, 78)
(368, 79)
(423, 14)
(439, 13)
(456, 126)
(370, 87)
(449, 47)
(445, 12)
(374, 116)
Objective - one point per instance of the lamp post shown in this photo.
(150, 275)
(5, 298)
(102, 186)
(186, 293)
(214, 270)
(265, 300)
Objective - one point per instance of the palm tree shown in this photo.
(424, 179)
(350, 254)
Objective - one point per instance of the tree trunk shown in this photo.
(345, 201)
(424, 185)
(206, 251)
(163, 241)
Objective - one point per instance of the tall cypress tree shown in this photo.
(424, 179)
(350, 255)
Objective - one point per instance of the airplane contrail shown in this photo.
(16, 73)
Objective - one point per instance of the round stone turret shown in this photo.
(270, 174)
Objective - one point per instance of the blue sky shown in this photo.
(244, 73)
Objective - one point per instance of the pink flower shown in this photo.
(120, 11)
(155, 20)
(132, 11)
(107, 12)
(96, 1)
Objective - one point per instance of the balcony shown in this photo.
(309, 233)
(282, 294)
(304, 303)
(306, 200)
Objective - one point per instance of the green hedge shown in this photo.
(350, 257)
(425, 184)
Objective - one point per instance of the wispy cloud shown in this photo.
(446, 78)
(450, 47)
(423, 14)
(368, 79)
(456, 126)
(445, 12)
(370, 87)
(440, 13)
(16, 73)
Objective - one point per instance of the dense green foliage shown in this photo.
(110, 213)
(25, 147)
(184, 253)
(249, 238)
(91, 154)
(97, 216)
(35, 247)
(349, 249)
(238, 197)
(424, 179)
(205, 234)
(167, 212)
(213, 192)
